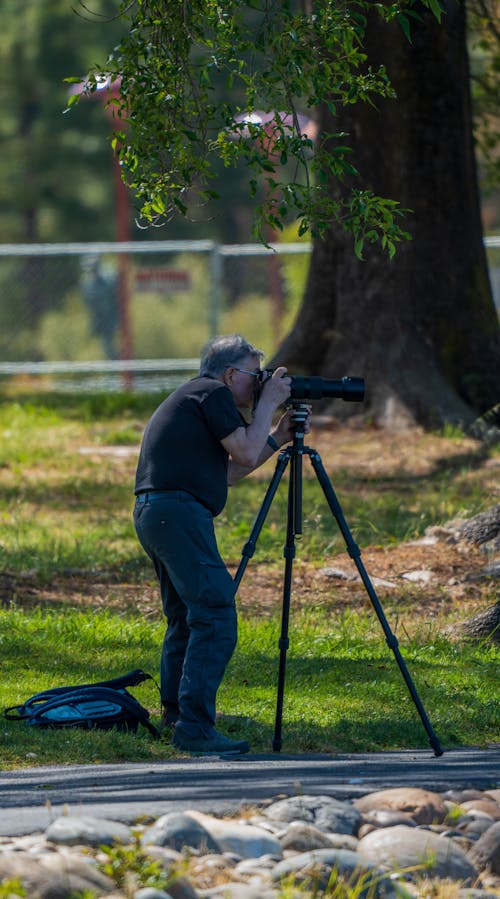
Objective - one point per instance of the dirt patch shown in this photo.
(415, 580)
(412, 580)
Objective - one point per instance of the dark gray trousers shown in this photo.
(197, 593)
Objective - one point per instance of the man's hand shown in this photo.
(284, 430)
(277, 388)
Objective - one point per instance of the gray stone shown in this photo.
(257, 866)
(239, 891)
(244, 840)
(87, 831)
(403, 848)
(327, 814)
(179, 831)
(486, 806)
(302, 837)
(317, 869)
(476, 894)
(151, 893)
(59, 879)
(343, 841)
(486, 852)
(473, 826)
(181, 888)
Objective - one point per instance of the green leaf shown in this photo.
(405, 26)
(180, 205)
(436, 8)
(358, 247)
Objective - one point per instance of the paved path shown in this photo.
(31, 798)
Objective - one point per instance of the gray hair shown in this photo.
(223, 352)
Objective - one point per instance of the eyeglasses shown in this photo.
(245, 371)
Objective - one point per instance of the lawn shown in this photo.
(80, 603)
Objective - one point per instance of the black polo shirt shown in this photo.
(181, 448)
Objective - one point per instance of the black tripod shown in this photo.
(295, 453)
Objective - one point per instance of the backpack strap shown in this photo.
(132, 679)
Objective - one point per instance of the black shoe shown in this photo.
(217, 744)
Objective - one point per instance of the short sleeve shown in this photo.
(220, 413)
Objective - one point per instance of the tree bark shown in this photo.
(421, 329)
(483, 626)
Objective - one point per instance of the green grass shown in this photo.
(344, 691)
(65, 510)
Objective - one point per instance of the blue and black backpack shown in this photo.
(103, 705)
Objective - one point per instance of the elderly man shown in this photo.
(206, 435)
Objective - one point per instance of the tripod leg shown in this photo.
(249, 548)
(283, 643)
(355, 554)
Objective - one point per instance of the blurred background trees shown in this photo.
(56, 184)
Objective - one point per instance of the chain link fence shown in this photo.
(114, 315)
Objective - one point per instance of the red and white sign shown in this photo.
(161, 280)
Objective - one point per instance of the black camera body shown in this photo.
(351, 390)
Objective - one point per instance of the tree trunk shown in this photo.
(483, 626)
(421, 329)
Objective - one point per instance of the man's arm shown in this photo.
(247, 447)
(281, 434)
(236, 472)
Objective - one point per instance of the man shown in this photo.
(206, 435)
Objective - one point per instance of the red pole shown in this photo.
(123, 235)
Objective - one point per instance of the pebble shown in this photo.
(391, 844)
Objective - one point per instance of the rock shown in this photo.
(256, 866)
(317, 868)
(476, 894)
(327, 814)
(179, 831)
(181, 888)
(245, 840)
(423, 806)
(423, 576)
(239, 891)
(402, 848)
(229, 859)
(459, 796)
(486, 852)
(488, 806)
(60, 879)
(472, 825)
(381, 817)
(303, 837)
(87, 831)
(151, 893)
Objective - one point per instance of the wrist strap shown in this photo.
(272, 443)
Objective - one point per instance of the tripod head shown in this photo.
(300, 411)
(300, 414)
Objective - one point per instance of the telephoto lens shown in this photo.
(351, 390)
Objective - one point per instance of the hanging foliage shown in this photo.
(204, 81)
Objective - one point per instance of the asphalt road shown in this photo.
(31, 798)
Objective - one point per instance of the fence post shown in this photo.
(215, 289)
